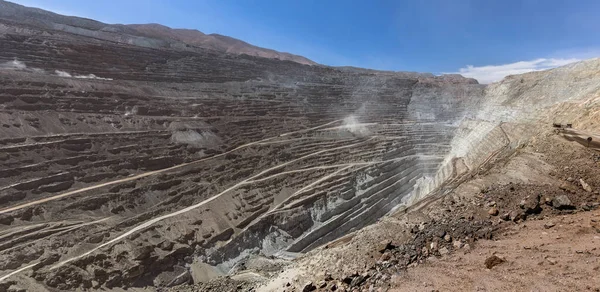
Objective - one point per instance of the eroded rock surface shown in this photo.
(127, 163)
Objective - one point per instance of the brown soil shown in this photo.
(565, 257)
(550, 250)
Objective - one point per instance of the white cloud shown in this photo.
(493, 73)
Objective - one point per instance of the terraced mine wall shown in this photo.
(259, 154)
(128, 166)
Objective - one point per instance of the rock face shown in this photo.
(131, 160)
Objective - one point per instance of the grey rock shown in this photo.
(562, 202)
(441, 233)
(517, 215)
(531, 204)
(443, 251)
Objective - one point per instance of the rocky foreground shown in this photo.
(528, 221)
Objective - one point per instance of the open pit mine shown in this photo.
(133, 157)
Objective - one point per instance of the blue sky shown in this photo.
(485, 39)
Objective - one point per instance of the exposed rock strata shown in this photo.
(142, 163)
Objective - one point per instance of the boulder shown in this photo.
(308, 287)
(457, 244)
(493, 261)
(447, 238)
(384, 245)
(443, 251)
(585, 185)
(531, 204)
(562, 202)
(441, 233)
(517, 215)
(6, 220)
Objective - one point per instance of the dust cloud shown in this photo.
(65, 74)
(352, 124)
(20, 66)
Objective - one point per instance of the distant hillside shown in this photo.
(145, 35)
(213, 41)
